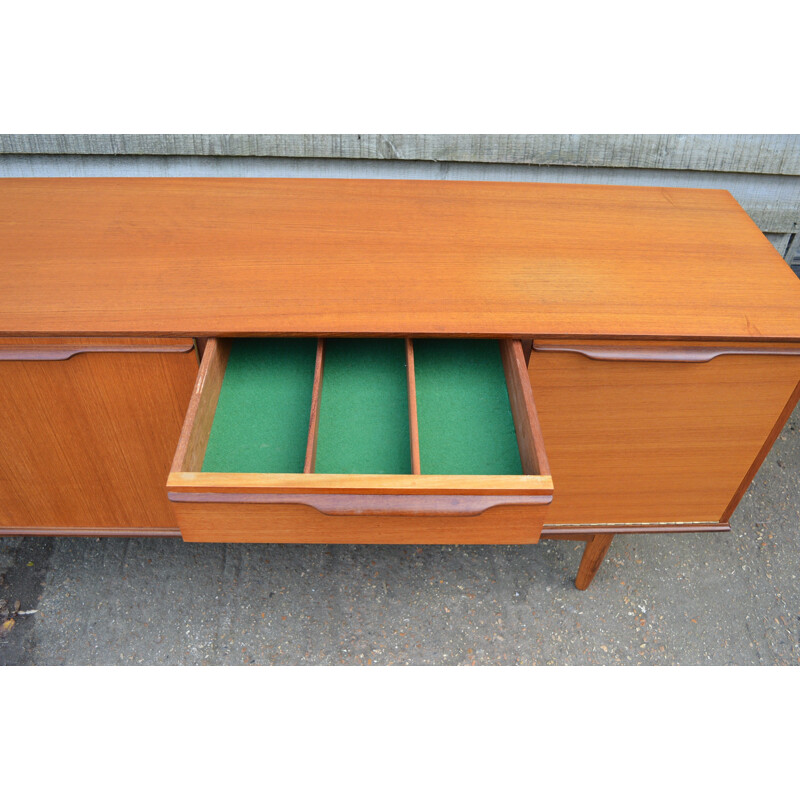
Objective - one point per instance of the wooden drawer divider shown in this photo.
(316, 401)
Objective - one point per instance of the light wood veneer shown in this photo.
(647, 442)
(402, 258)
(400, 509)
(656, 418)
(86, 442)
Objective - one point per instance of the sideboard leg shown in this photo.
(593, 555)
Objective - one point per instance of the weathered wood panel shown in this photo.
(753, 153)
(793, 254)
(781, 242)
(772, 201)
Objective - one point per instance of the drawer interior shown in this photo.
(466, 425)
(363, 406)
(261, 419)
(363, 409)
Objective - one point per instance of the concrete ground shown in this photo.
(675, 599)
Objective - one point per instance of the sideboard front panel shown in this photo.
(632, 441)
(88, 429)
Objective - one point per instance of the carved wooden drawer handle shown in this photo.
(372, 505)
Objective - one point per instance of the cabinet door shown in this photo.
(87, 430)
(658, 432)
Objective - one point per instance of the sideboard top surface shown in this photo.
(209, 256)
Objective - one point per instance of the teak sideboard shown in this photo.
(428, 362)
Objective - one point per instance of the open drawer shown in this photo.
(426, 441)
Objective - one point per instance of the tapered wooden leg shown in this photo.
(593, 555)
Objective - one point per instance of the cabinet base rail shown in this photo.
(598, 538)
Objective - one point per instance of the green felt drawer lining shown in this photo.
(465, 421)
(363, 419)
(261, 421)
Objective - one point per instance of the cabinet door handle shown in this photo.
(687, 355)
(64, 352)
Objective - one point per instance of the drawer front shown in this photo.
(657, 433)
(87, 430)
(307, 505)
(295, 522)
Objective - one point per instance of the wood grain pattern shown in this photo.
(526, 421)
(307, 507)
(413, 419)
(86, 443)
(200, 342)
(448, 505)
(25, 348)
(773, 154)
(635, 442)
(258, 482)
(687, 352)
(163, 533)
(584, 532)
(762, 453)
(593, 555)
(112, 256)
(186, 474)
(316, 398)
(232, 522)
(771, 201)
(555, 532)
(191, 449)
